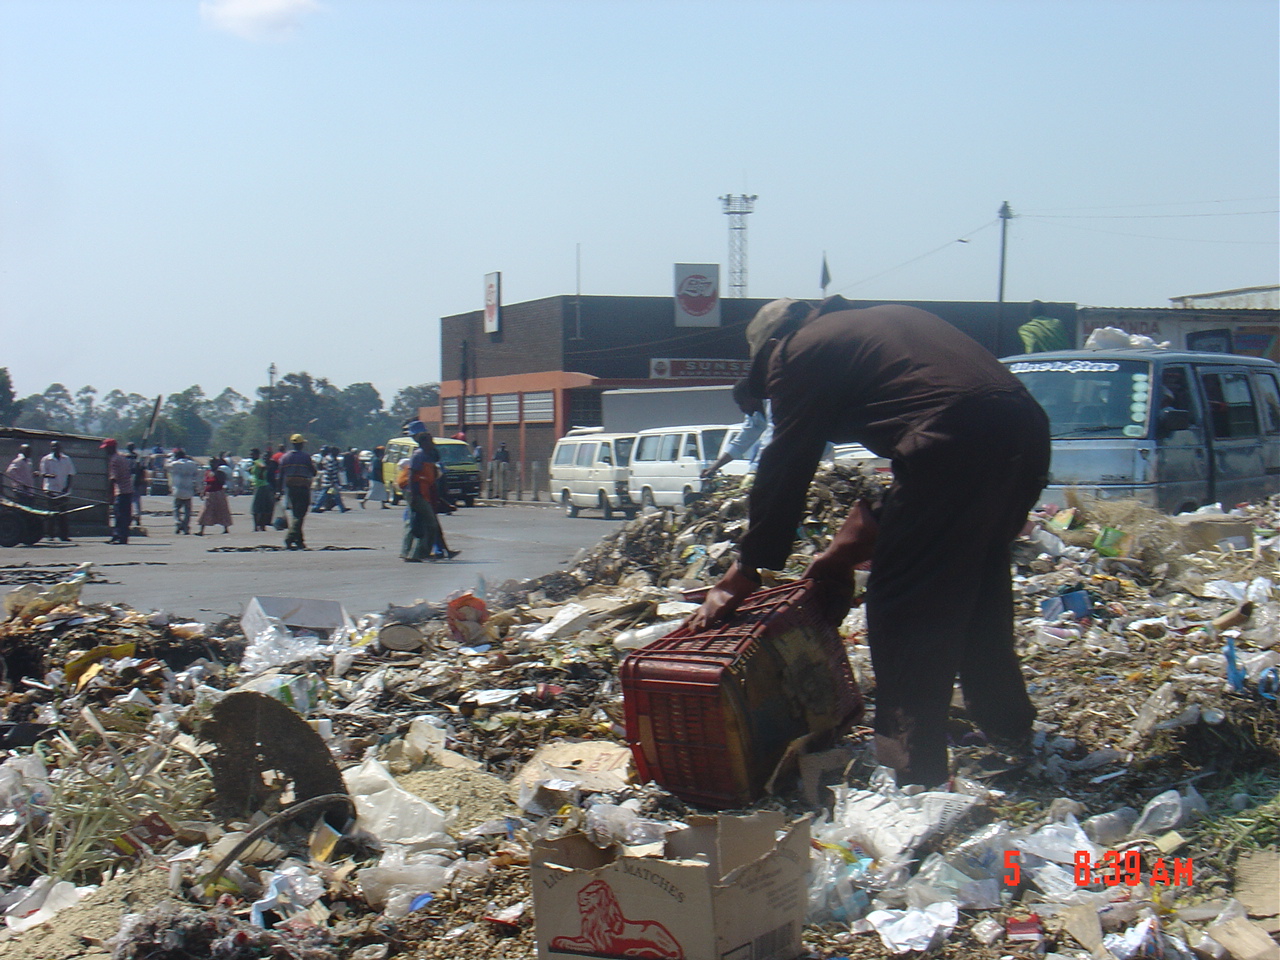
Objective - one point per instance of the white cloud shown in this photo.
(257, 19)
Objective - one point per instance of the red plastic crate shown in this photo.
(709, 715)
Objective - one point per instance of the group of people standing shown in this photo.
(52, 477)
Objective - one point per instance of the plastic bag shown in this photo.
(30, 601)
(609, 823)
(639, 637)
(902, 931)
(1059, 842)
(302, 693)
(401, 877)
(392, 814)
(1168, 811)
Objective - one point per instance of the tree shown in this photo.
(10, 406)
(305, 404)
(184, 421)
(409, 399)
(224, 406)
(54, 409)
(123, 414)
(239, 433)
(86, 409)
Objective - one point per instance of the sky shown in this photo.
(192, 190)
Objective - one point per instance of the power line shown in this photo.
(962, 239)
(1168, 203)
(1144, 216)
(1147, 236)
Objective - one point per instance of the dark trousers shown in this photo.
(940, 599)
(122, 514)
(421, 531)
(57, 525)
(299, 503)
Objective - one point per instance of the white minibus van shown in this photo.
(667, 462)
(589, 471)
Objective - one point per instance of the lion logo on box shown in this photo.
(605, 931)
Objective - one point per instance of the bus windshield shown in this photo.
(1090, 399)
(451, 453)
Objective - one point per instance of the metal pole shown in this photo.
(1005, 216)
(577, 298)
(462, 400)
(271, 395)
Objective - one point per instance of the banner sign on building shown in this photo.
(697, 294)
(697, 368)
(492, 302)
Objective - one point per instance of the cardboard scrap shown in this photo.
(1245, 940)
(1256, 884)
(1083, 923)
(593, 765)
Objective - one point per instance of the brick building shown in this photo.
(546, 368)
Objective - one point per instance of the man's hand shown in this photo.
(854, 543)
(724, 598)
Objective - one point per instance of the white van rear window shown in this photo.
(565, 454)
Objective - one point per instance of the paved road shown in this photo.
(197, 577)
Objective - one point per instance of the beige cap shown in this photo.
(768, 320)
(297, 438)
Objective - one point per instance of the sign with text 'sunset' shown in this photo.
(693, 368)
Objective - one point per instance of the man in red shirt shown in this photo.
(120, 476)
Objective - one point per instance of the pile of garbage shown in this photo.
(305, 784)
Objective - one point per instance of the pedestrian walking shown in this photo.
(138, 467)
(120, 481)
(970, 453)
(185, 484)
(57, 473)
(423, 538)
(296, 473)
(329, 494)
(377, 487)
(217, 508)
(264, 498)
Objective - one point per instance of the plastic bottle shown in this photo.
(1107, 829)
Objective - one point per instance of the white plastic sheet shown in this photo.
(392, 814)
(902, 931)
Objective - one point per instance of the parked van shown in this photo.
(1176, 430)
(667, 462)
(458, 463)
(589, 471)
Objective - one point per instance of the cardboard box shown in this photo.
(725, 889)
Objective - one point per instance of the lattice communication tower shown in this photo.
(736, 209)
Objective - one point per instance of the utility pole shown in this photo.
(271, 395)
(462, 401)
(577, 297)
(736, 209)
(1005, 216)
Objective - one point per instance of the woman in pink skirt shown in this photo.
(217, 509)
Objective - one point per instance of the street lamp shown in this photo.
(271, 394)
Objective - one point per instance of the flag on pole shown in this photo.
(826, 274)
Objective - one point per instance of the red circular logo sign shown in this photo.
(697, 294)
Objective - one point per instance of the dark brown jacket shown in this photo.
(882, 377)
